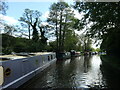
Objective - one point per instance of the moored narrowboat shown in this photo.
(17, 69)
(63, 55)
(74, 53)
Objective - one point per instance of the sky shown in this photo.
(17, 7)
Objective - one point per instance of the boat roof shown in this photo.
(10, 57)
(21, 55)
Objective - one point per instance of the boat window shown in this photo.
(1, 75)
(48, 58)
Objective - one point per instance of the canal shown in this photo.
(98, 72)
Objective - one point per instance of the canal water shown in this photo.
(87, 72)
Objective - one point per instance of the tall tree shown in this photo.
(44, 29)
(105, 20)
(61, 17)
(53, 20)
(32, 19)
(3, 7)
(85, 42)
(9, 29)
(71, 41)
(69, 21)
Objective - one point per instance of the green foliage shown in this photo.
(62, 17)
(7, 43)
(71, 41)
(53, 46)
(31, 18)
(105, 20)
(21, 45)
(112, 43)
(9, 29)
(17, 44)
(49, 48)
(85, 42)
(3, 7)
(35, 37)
(98, 49)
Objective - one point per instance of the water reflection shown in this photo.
(88, 72)
(111, 71)
(80, 72)
(94, 76)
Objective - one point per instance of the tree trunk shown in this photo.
(29, 31)
(35, 32)
(60, 35)
(64, 31)
(57, 43)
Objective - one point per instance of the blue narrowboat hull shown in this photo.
(18, 71)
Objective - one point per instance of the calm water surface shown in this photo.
(81, 72)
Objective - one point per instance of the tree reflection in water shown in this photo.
(111, 71)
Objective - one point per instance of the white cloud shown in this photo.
(51, 39)
(79, 32)
(44, 23)
(8, 19)
(78, 15)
